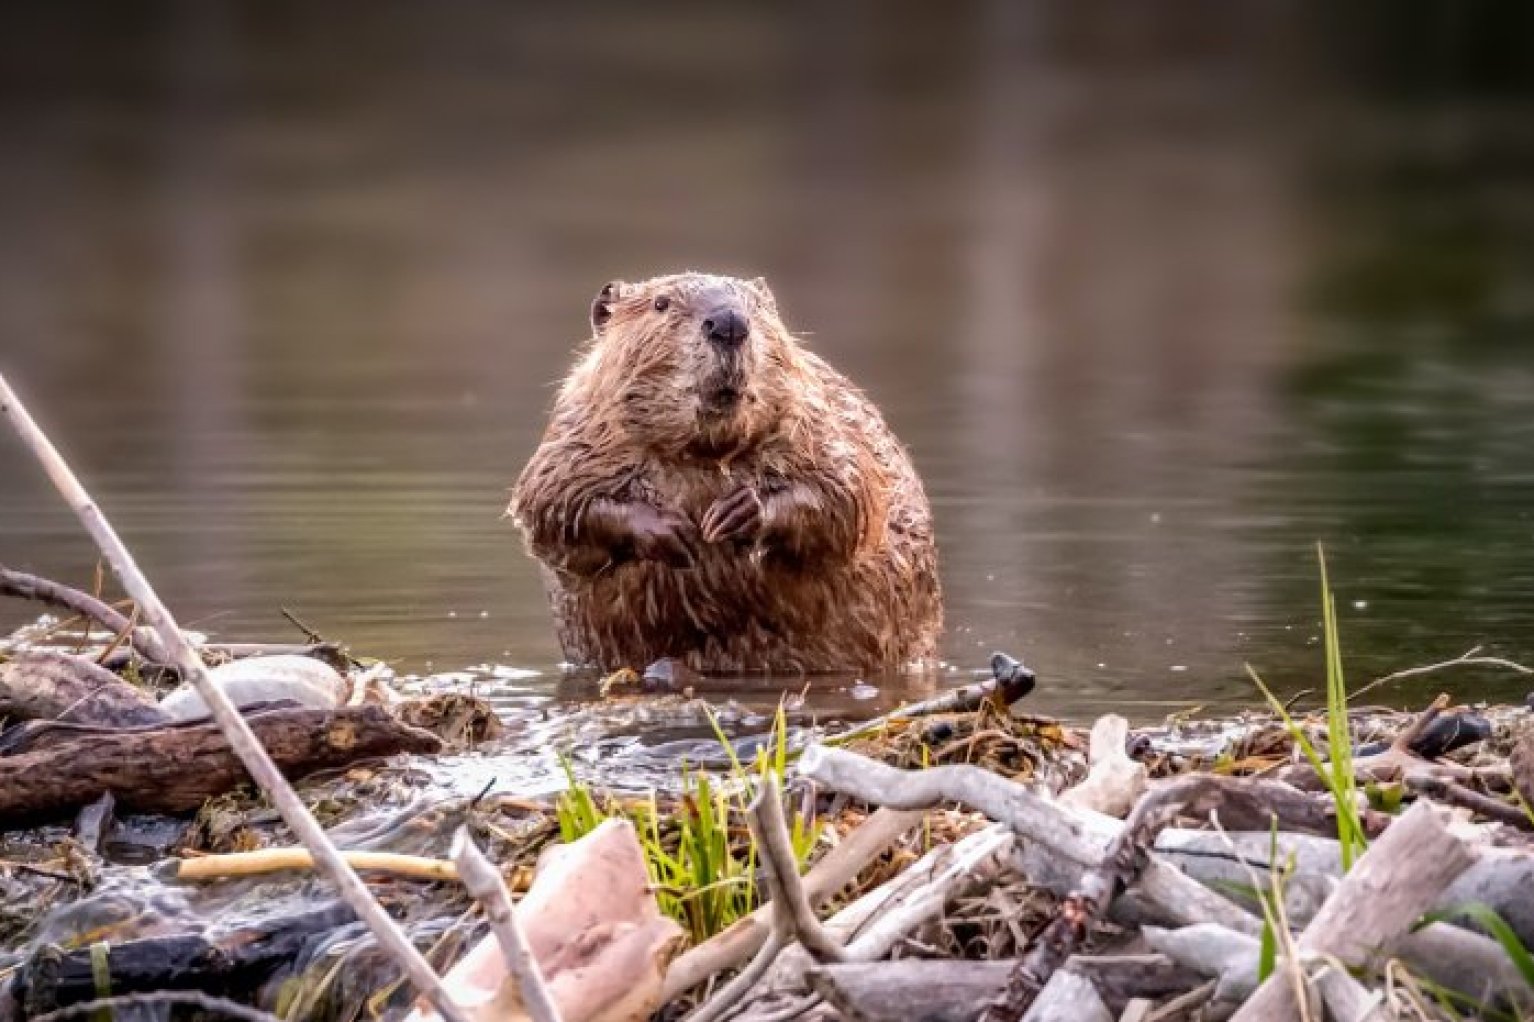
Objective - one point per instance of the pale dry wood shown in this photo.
(486, 887)
(296, 857)
(181, 654)
(1051, 831)
(836, 870)
(1068, 997)
(873, 924)
(792, 905)
(1499, 877)
(1114, 781)
(1396, 880)
(592, 923)
(932, 990)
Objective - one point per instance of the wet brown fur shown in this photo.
(740, 511)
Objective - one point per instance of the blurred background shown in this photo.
(1158, 295)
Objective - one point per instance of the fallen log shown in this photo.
(175, 769)
(48, 685)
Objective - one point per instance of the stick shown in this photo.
(276, 860)
(1444, 790)
(484, 883)
(55, 594)
(1126, 857)
(1010, 681)
(771, 830)
(744, 938)
(391, 939)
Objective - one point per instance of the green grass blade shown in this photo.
(1487, 918)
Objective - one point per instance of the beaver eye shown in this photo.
(662, 303)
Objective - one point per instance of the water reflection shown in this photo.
(1157, 300)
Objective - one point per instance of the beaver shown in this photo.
(708, 490)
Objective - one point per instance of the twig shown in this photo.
(484, 883)
(55, 594)
(840, 866)
(1466, 659)
(1080, 910)
(792, 917)
(241, 739)
(1454, 793)
(1010, 681)
(189, 998)
(765, 817)
(276, 860)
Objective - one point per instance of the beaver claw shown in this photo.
(664, 536)
(739, 516)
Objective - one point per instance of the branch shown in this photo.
(349, 885)
(55, 594)
(840, 866)
(792, 909)
(486, 886)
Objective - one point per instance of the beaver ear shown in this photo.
(602, 304)
(764, 294)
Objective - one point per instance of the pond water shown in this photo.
(1157, 301)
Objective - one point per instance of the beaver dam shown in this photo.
(956, 859)
(959, 858)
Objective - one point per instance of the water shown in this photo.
(1157, 302)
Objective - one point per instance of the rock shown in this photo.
(304, 680)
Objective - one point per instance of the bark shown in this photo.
(45, 685)
(175, 769)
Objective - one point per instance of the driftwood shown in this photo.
(489, 890)
(873, 924)
(55, 594)
(1395, 881)
(837, 869)
(296, 857)
(1068, 997)
(45, 685)
(1010, 681)
(232, 961)
(1195, 795)
(177, 768)
(1114, 781)
(1499, 877)
(1051, 831)
(592, 924)
(941, 990)
(242, 740)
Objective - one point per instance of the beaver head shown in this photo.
(688, 363)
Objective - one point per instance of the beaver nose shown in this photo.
(726, 328)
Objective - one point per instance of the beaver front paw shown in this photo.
(665, 536)
(739, 517)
